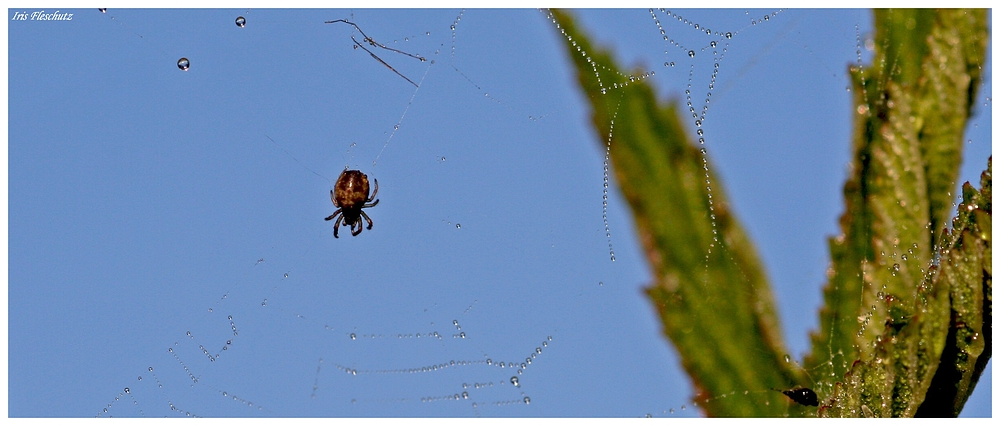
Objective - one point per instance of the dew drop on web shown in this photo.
(183, 64)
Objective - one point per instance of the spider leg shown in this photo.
(336, 226)
(330, 217)
(353, 232)
(366, 217)
(375, 192)
(368, 202)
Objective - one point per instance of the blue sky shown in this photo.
(147, 203)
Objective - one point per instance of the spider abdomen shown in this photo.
(351, 189)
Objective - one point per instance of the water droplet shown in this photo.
(458, 226)
(729, 35)
(150, 368)
(489, 361)
(465, 395)
(462, 334)
(241, 22)
(713, 44)
(183, 64)
(354, 336)
(209, 310)
(264, 303)
(513, 381)
(697, 123)
(427, 33)
(140, 378)
(691, 53)
(788, 359)
(527, 400)
(103, 10)
(230, 317)
(127, 391)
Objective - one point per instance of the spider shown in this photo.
(350, 195)
(804, 396)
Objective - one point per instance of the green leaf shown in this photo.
(912, 107)
(906, 326)
(927, 361)
(966, 268)
(702, 268)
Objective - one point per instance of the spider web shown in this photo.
(196, 271)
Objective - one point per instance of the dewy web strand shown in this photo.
(607, 165)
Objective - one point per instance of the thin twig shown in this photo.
(374, 43)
